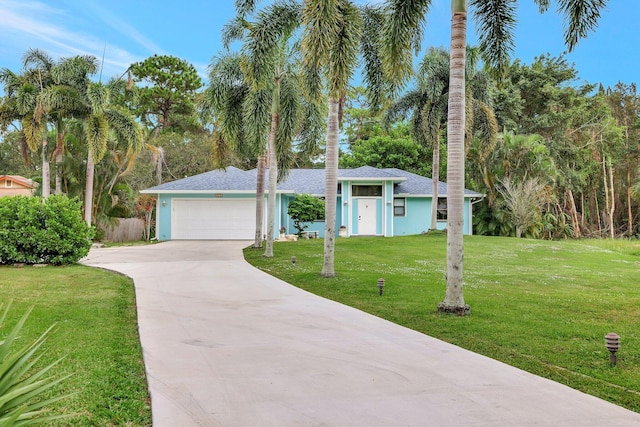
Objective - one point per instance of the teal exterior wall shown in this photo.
(417, 217)
(163, 227)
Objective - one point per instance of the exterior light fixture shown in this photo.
(612, 341)
(381, 285)
(164, 203)
(293, 260)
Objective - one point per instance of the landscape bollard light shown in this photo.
(381, 285)
(293, 261)
(612, 341)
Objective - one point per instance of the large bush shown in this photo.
(305, 208)
(33, 230)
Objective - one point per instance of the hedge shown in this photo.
(35, 230)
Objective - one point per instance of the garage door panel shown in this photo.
(219, 219)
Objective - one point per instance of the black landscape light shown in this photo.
(293, 260)
(381, 285)
(612, 341)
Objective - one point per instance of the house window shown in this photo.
(8, 183)
(442, 209)
(399, 207)
(367, 191)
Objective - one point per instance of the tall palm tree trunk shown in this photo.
(259, 201)
(273, 170)
(331, 188)
(88, 190)
(46, 172)
(435, 179)
(454, 299)
(59, 151)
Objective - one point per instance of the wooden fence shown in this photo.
(128, 229)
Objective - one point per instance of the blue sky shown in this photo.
(135, 30)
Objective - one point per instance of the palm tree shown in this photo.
(495, 22)
(101, 120)
(270, 63)
(63, 97)
(331, 40)
(242, 119)
(21, 104)
(427, 104)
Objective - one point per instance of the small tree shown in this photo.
(303, 209)
(524, 201)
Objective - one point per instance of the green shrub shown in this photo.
(33, 230)
(305, 208)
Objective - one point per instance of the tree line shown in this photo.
(287, 87)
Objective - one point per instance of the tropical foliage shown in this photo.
(36, 231)
(21, 385)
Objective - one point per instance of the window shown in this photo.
(8, 183)
(442, 209)
(399, 207)
(367, 191)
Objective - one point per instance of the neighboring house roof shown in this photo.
(301, 181)
(17, 179)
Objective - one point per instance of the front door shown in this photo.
(367, 217)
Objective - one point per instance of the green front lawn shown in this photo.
(96, 336)
(543, 306)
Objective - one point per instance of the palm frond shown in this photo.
(581, 17)
(256, 116)
(234, 30)
(344, 49)
(262, 42)
(33, 132)
(98, 97)
(96, 132)
(377, 85)
(495, 23)
(405, 19)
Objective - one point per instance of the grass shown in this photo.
(96, 335)
(542, 306)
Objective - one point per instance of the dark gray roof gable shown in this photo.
(309, 181)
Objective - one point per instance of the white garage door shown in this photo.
(213, 219)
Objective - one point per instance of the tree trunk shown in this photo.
(273, 170)
(435, 179)
(595, 198)
(454, 298)
(331, 188)
(613, 203)
(629, 212)
(59, 151)
(259, 202)
(159, 163)
(46, 173)
(88, 190)
(574, 214)
(606, 187)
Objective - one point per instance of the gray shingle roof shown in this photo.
(217, 180)
(310, 181)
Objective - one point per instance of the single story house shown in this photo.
(371, 202)
(16, 185)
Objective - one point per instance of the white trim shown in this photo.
(373, 179)
(243, 192)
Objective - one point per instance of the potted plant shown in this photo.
(342, 232)
(283, 231)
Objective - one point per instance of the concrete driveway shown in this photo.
(227, 345)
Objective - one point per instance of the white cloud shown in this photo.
(123, 27)
(33, 24)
